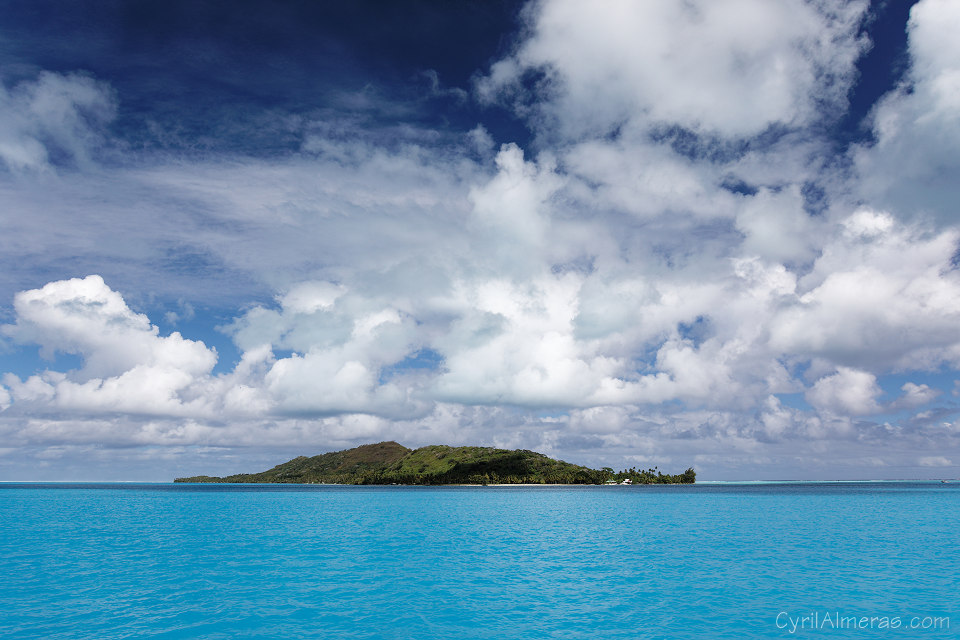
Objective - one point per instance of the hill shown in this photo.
(392, 463)
(338, 467)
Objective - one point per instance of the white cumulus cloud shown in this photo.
(733, 67)
(127, 365)
(846, 392)
(916, 395)
(913, 165)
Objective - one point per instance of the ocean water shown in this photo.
(830, 560)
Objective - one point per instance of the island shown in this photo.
(392, 463)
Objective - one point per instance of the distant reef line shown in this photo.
(392, 463)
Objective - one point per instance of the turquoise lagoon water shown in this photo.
(267, 561)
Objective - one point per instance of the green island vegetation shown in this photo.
(392, 463)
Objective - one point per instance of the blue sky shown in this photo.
(721, 234)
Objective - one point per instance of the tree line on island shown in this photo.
(392, 463)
